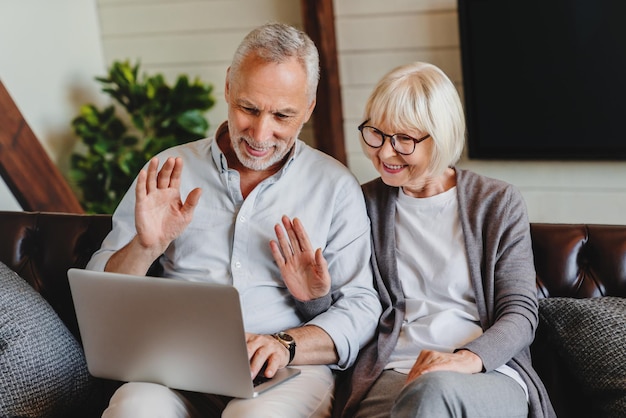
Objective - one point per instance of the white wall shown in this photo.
(375, 36)
(198, 37)
(49, 53)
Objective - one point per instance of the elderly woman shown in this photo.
(453, 264)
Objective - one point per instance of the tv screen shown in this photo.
(544, 79)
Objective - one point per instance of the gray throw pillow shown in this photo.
(590, 335)
(43, 372)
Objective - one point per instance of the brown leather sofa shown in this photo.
(578, 261)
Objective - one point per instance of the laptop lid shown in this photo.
(184, 335)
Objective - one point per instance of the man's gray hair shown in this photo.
(277, 42)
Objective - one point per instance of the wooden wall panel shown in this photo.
(32, 177)
(319, 23)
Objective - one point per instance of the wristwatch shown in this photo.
(289, 343)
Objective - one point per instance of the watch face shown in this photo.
(285, 337)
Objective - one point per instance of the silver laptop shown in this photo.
(184, 335)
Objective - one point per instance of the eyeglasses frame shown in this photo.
(391, 138)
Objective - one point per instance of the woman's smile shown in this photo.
(393, 168)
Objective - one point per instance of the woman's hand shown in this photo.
(463, 361)
(304, 270)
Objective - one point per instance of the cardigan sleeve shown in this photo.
(505, 285)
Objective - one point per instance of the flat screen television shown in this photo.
(544, 79)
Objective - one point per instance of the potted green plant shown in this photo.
(155, 116)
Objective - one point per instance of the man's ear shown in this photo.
(227, 85)
(309, 111)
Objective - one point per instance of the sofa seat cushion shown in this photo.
(43, 372)
(590, 335)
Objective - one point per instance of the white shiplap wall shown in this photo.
(375, 36)
(193, 37)
(198, 37)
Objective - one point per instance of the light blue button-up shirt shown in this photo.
(228, 239)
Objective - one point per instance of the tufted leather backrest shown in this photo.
(571, 260)
(579, 261)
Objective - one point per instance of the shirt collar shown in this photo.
(218, 156)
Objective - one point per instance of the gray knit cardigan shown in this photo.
(498, 244)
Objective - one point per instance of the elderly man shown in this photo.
(237, 214)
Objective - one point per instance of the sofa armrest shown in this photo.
(41, 247)
(573, 261)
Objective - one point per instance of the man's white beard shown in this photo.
(257, 164)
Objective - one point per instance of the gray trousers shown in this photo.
(444, 394)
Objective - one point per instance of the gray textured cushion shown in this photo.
(590, 334)
(42, 367)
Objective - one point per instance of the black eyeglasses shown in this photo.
(401, 143)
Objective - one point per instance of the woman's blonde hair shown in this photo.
(419, 96)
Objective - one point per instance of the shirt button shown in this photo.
(238, 265)
(242, 219)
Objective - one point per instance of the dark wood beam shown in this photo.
(319, 23)
(26, 168)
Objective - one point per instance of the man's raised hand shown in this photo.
(304, 270)
(160, 214)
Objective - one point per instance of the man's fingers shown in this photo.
(320, 260)
(176, 173)
(277, 254)
(298, 237)
(283, 242)
(302, 236)
(168, 176)
(140, 189)
(265, 354)
(165, 174)
(192, 200)
(151, 183)
(293, 239)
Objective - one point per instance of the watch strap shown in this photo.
(288, 342)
